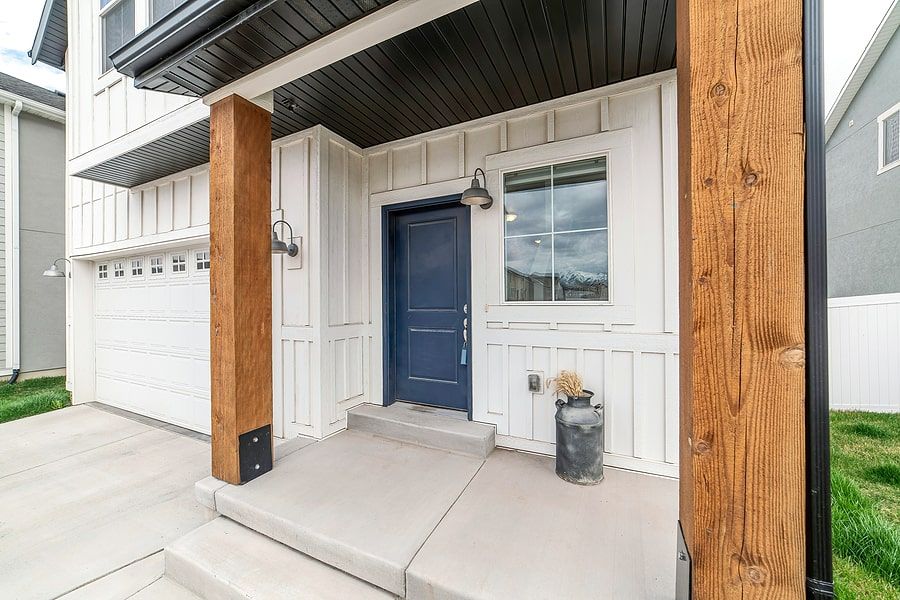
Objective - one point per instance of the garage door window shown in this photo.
(202, 257)
(102, 271)
(156, 265)
(137, 267)
(179, 263)
(118, 269)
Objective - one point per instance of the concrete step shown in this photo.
(223, 560)
(165, 588)
(361, 503)
(424, 425)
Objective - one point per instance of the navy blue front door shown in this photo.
(427, 261)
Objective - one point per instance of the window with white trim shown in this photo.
(179, 263)
(137, 267)
(889, 139)
(202, 259)
(102, 271)
(556, 232)
(160, 8)
(118, 269)
(156, 265)
(116, 28)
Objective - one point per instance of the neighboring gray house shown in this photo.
(863, 171)
(32, 228)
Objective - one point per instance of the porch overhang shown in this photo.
(51, 39)
(485, 58)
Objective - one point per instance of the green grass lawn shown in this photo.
(32, 397)
(865, 501)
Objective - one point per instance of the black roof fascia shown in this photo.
(49, 46)
(168, 36)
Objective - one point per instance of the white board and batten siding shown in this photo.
(105, 106)
(627, 349)
(327, 303)
(864, 353)
(320, 299)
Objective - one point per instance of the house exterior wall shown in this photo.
(41, 241)
(327, 303)
(3, 369)
(106, 106)
(864, 206)
(627, 350)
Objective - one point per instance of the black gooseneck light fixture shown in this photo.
(54, 271)
(279, 246)
(477, 195)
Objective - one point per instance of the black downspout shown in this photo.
(819, 578)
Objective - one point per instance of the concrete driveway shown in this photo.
(86, 494)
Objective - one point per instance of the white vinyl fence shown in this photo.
(864, 353)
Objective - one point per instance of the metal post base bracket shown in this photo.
(255, 453)
(682, 568)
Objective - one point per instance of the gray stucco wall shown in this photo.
(863, 207)
(42, 226)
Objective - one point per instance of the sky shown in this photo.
(849, 24)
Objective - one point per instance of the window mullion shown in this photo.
(552, 237)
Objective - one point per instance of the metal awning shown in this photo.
(51, 39)
(206, 44)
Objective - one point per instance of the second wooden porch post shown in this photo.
(240, 289)
(741, 170)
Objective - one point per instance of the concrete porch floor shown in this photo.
(425, 523)
(89, 500)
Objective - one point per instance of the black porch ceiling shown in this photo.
(490, 57)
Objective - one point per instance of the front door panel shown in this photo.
(429, 291)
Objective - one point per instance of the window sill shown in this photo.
(887, 168)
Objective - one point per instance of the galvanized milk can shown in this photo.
(579, 439)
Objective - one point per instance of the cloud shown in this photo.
(18, 24)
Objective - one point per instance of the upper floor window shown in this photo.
(889, 139)
(160, 8)
(116, 28)
(556, 238)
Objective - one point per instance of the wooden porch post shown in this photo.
(741, 190)
(240, 289)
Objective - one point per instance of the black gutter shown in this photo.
(819, 576)
(168, 36)
(149, 74)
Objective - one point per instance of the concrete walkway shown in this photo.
(86, 494)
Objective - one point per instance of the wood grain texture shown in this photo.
(741, 155)
(240, 277)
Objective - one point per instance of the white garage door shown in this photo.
(151, 332)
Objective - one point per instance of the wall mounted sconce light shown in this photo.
(54, 271)
(280, 247)
(477, 195)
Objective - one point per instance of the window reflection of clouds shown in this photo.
(527, 196)
(567, 265)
